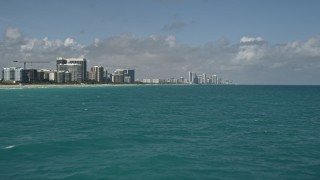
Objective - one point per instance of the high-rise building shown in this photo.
(83, 63)
(60, 60)
(214, 79)
(118, 76)
(61, 77)
(195, 79)
(9, 74)
(53, 76)
(128, 76)
(123, 76)
(76, 71)
(18, 76)
(71, 63)
(43, 74)
(67, 77)
(96, 73)
(40, 75)
(12, 74)
(204, 78)
(32, 75)
(190, 77)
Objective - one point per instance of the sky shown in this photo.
(246, 41)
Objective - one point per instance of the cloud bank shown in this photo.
(250, 61)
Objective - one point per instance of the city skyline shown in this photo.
(249, 42)
(75, 70)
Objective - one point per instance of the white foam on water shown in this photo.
(9, 147)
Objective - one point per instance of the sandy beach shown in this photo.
(18, 86)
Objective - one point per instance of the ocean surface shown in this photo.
(160, 132)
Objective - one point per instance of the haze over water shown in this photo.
(160, 132)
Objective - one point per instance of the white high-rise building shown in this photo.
(214, 79)
(18, 74)
(71, 63)
(118, 76)
(204, 78)
(53, 76)
(123, 76)
(190, 77)
(76, 71)
(8, 73)
(96, 73)
(13, 74)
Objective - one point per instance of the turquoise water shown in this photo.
(161, 132)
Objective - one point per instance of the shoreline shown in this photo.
(28, 86)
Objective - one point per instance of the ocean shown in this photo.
(160, 132)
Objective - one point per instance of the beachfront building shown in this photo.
(193, 78)
(147, 81)
(32, 75)
(43, 75)
(204, 79)
(128, 75)
(14, 74)
(123, 76)
(190, 77)
(61, 77)
(76, 71)
(18, 74)
(9, 73)
(117, 76)
(96, 74)
(53, 76)
(76, 66)
(214, 79)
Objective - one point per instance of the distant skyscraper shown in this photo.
(43, 75)
(9, 74)
(118, 76)
(82, 71)
(18, 74)
(60, 60)
(195, 79)
(61, 77)
(123, 76)
(214, 79)
(128, 75)
(53, 76)
(96, 73)
(190, 77)
(30, 75)
(75, 70)
(13, 74)
(67, 77)
(204, 78)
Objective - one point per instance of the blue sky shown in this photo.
(200, 21)
(193, 24)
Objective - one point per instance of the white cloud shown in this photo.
(69, 42)
(96, 42)
(249, 54)
(250, 51)
(12, 33)
(309, 48)
(171, 40)
(250, 39)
